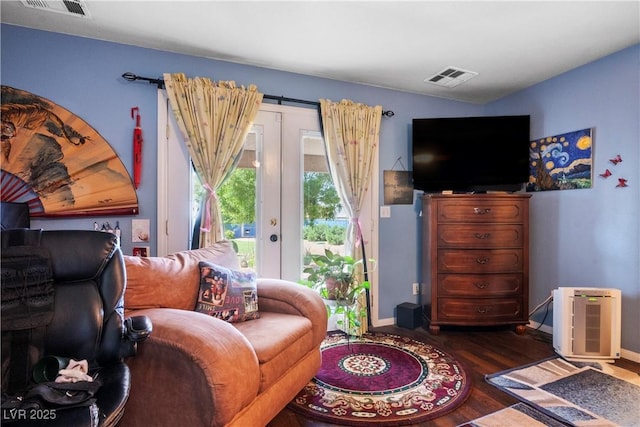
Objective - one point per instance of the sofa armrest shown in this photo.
(197, 363)
(283, 296)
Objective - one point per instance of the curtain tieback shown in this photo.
(207, 208)
(356, 220)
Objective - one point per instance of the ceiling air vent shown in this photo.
(67, 7)
(451, 77)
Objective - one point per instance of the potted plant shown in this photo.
(338, 280)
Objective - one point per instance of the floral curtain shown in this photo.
(351, 135)
(214, 119)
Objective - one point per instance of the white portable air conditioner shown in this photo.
(586, 323)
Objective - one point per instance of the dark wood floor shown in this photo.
(481, 352)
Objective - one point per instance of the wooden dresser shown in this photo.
(475, 260)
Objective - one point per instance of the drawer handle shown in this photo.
(482, 260)
(481, 211)
(481, 285)
(482, 310)
(483, 236)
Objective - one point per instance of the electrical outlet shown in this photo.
(416, 288)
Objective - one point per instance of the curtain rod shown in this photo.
(160, 83)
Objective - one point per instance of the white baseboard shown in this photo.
(542, 327)
(625, 354)
(389, 321)
(630, 355)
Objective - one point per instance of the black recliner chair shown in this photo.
(88, 321)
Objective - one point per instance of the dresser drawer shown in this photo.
(479, 311)
(479, 285)
(480, 235)
(480, 261)
(511, 211)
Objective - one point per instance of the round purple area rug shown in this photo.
(382, 379)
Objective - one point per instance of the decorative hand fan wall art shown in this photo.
(57, 163)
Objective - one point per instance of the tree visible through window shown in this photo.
(237, 204)
(321, 200)
(237, 197)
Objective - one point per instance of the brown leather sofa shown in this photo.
(196, 370)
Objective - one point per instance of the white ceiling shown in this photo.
(392, 44)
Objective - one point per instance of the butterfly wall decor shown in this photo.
(622, 182)
(606, 174)
(617, 159)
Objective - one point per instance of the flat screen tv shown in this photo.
(470, 154)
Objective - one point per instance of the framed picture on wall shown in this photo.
(142, 251)
(140, 230)
(398, 188)
(561, 162)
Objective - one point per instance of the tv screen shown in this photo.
(470, 154)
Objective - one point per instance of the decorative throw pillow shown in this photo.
(172, 281)
(227, 294)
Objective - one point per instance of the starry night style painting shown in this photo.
(561, 162)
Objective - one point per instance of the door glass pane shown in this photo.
(325, 221)
(237, 199)
(237, 196)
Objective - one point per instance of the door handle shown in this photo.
(273, 237)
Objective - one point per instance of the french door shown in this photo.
(284, 138)
(275, 147)
(286, 142)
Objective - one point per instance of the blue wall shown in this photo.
(83, 76)
(589, 237)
